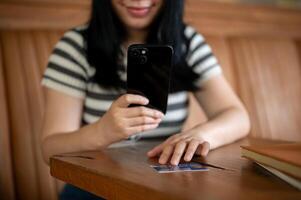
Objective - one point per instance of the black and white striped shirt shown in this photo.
(68, 71)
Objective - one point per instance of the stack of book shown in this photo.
(282, 160)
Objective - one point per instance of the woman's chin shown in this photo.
(137, 25)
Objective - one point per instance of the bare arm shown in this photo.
(61, 132)
(227, 122)
(56, 137)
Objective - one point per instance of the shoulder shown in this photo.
(72, 47)
(75, 38)
(197, 48)
(200, 56)
(67, 69)
(190, 33)
(69, 53)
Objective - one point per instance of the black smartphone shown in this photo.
(148, 73)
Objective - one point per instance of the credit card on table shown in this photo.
(182, 167)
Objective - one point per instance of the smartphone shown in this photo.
(148, 73)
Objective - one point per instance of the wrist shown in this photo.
(205, 132)
(94, 136)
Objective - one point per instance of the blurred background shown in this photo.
(284, 3)
(258, 44)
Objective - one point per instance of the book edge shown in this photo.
(288, 168)
(260, 150)
(288, 179)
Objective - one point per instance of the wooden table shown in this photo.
(124, 173)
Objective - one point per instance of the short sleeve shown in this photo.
(200, 57)
(67, 66)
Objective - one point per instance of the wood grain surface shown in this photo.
(124, 173)
(6, 177)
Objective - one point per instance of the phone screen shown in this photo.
(148, 73)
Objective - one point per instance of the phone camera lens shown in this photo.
(135, 53)
(143, 59)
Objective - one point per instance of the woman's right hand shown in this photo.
(121, 121)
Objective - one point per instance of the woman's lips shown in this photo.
(138, 12)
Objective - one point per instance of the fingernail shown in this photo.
(146, 101)
(159, 114)
(161, 161)
(174, 162)
(188, 158)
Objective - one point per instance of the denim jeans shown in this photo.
(71, 192)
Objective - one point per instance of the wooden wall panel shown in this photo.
(221, 50)
(298, 43)
(25, 57)
(43, 47)
(27, 53)
(42, 16)
(269, 79)
(31, 53)
(222, 19)
(50, 2)
(6, 171)
(23, 150)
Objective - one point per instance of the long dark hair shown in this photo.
(105, 34)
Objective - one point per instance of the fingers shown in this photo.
(139, 119)
(141, 128)
(156, 150)
(128, 121)
(159, 148)
(205, 148)
(142, 120)
(165, 155)
(174, 151)
(191, 149)
(178, 152)
(125, 100)
(143, 111)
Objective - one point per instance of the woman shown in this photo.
(87, 108)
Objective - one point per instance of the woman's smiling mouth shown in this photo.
(138, 11)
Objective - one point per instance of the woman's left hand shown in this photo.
(182, 144)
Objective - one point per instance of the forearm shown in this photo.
(228, 126)
(81, 140)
